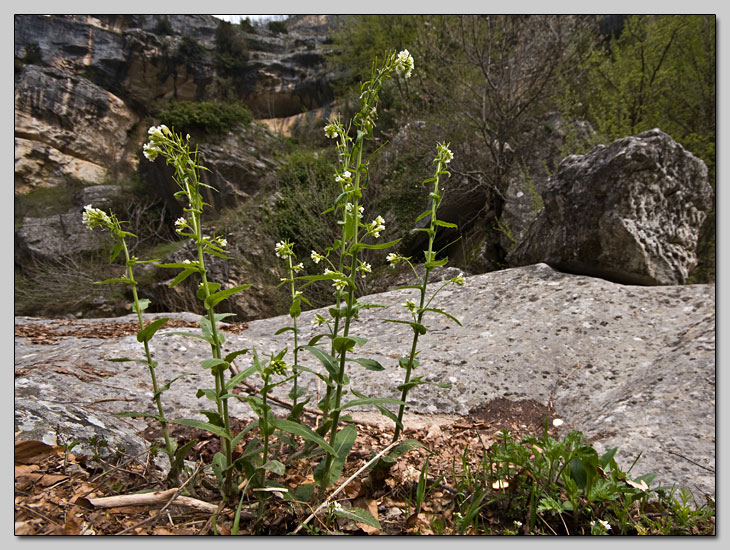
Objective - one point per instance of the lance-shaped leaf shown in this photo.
(442, 223)
(134, 414)
(441, 312)
(370, 364)
(184, 274)
(193, 423)
(304, 432)
(417, 327)
(233, 382)
(359, 515)
(146, 334)
(346, 343)
(115, 280)
(212, 300)
(167, 386)
(378, 246)
(344, 440)
(329, 362)
(371, 401)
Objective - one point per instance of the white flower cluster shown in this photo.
(360, 210)
(394, 258)
(444, 154)
(180, 224)
(364, 268)
(158, 134)
(404, 64)
(317, 257)
(93, 217)
(331, 130)
(375, 227)
(344, 179)
(283, 249)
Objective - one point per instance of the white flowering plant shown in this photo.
(417, 312)
(92, 218)
(176, 151)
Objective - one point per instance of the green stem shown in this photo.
(222, 404)
(148, 355)
(424, 285)
(346, 330)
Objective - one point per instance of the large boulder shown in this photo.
(629, 212)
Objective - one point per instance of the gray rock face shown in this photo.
(629, 366)
(629, 212)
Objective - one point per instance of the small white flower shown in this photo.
(348, 207)
(298, 267)
(404, 64)
(335, 506)
(328, 271)
(458, 280)
(444, 153)
(180, 224)
(330, 130)
(318, 320)
(410, 305)
(91, 217)
(283, 249)
(151, 151)
(364, 268)
(339, 284)
(392, 258)
(518, 523)
(222, 242)
(316, 257)
(186, 261)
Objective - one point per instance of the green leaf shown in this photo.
(184, 274)
(212, 363)
(326, 359)
(167, 386)
(417, 327)
(435, 310)
(405, 446)
(143, 303)
(188, 334)
(146, 334)
(115, 280)
(201, 293)
(370, 364)
(445, 224)
(207, 392)
(370, 401)
(346, 343)
(304, 432)
(179, 459)
(118, 247)
(275, 466)
(214, 299)
(233, 382)
(422, 215)
(360, 246)
(296, 308)
(286, 329)
(358, 515)
(231, 356)
(344, 440)
(607, 457)
(436, 263)
(193, 423)
(243, 432)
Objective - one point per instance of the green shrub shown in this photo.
(189, 51)
(209, 117)
(277, 27)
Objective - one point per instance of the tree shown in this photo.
(495, 77)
